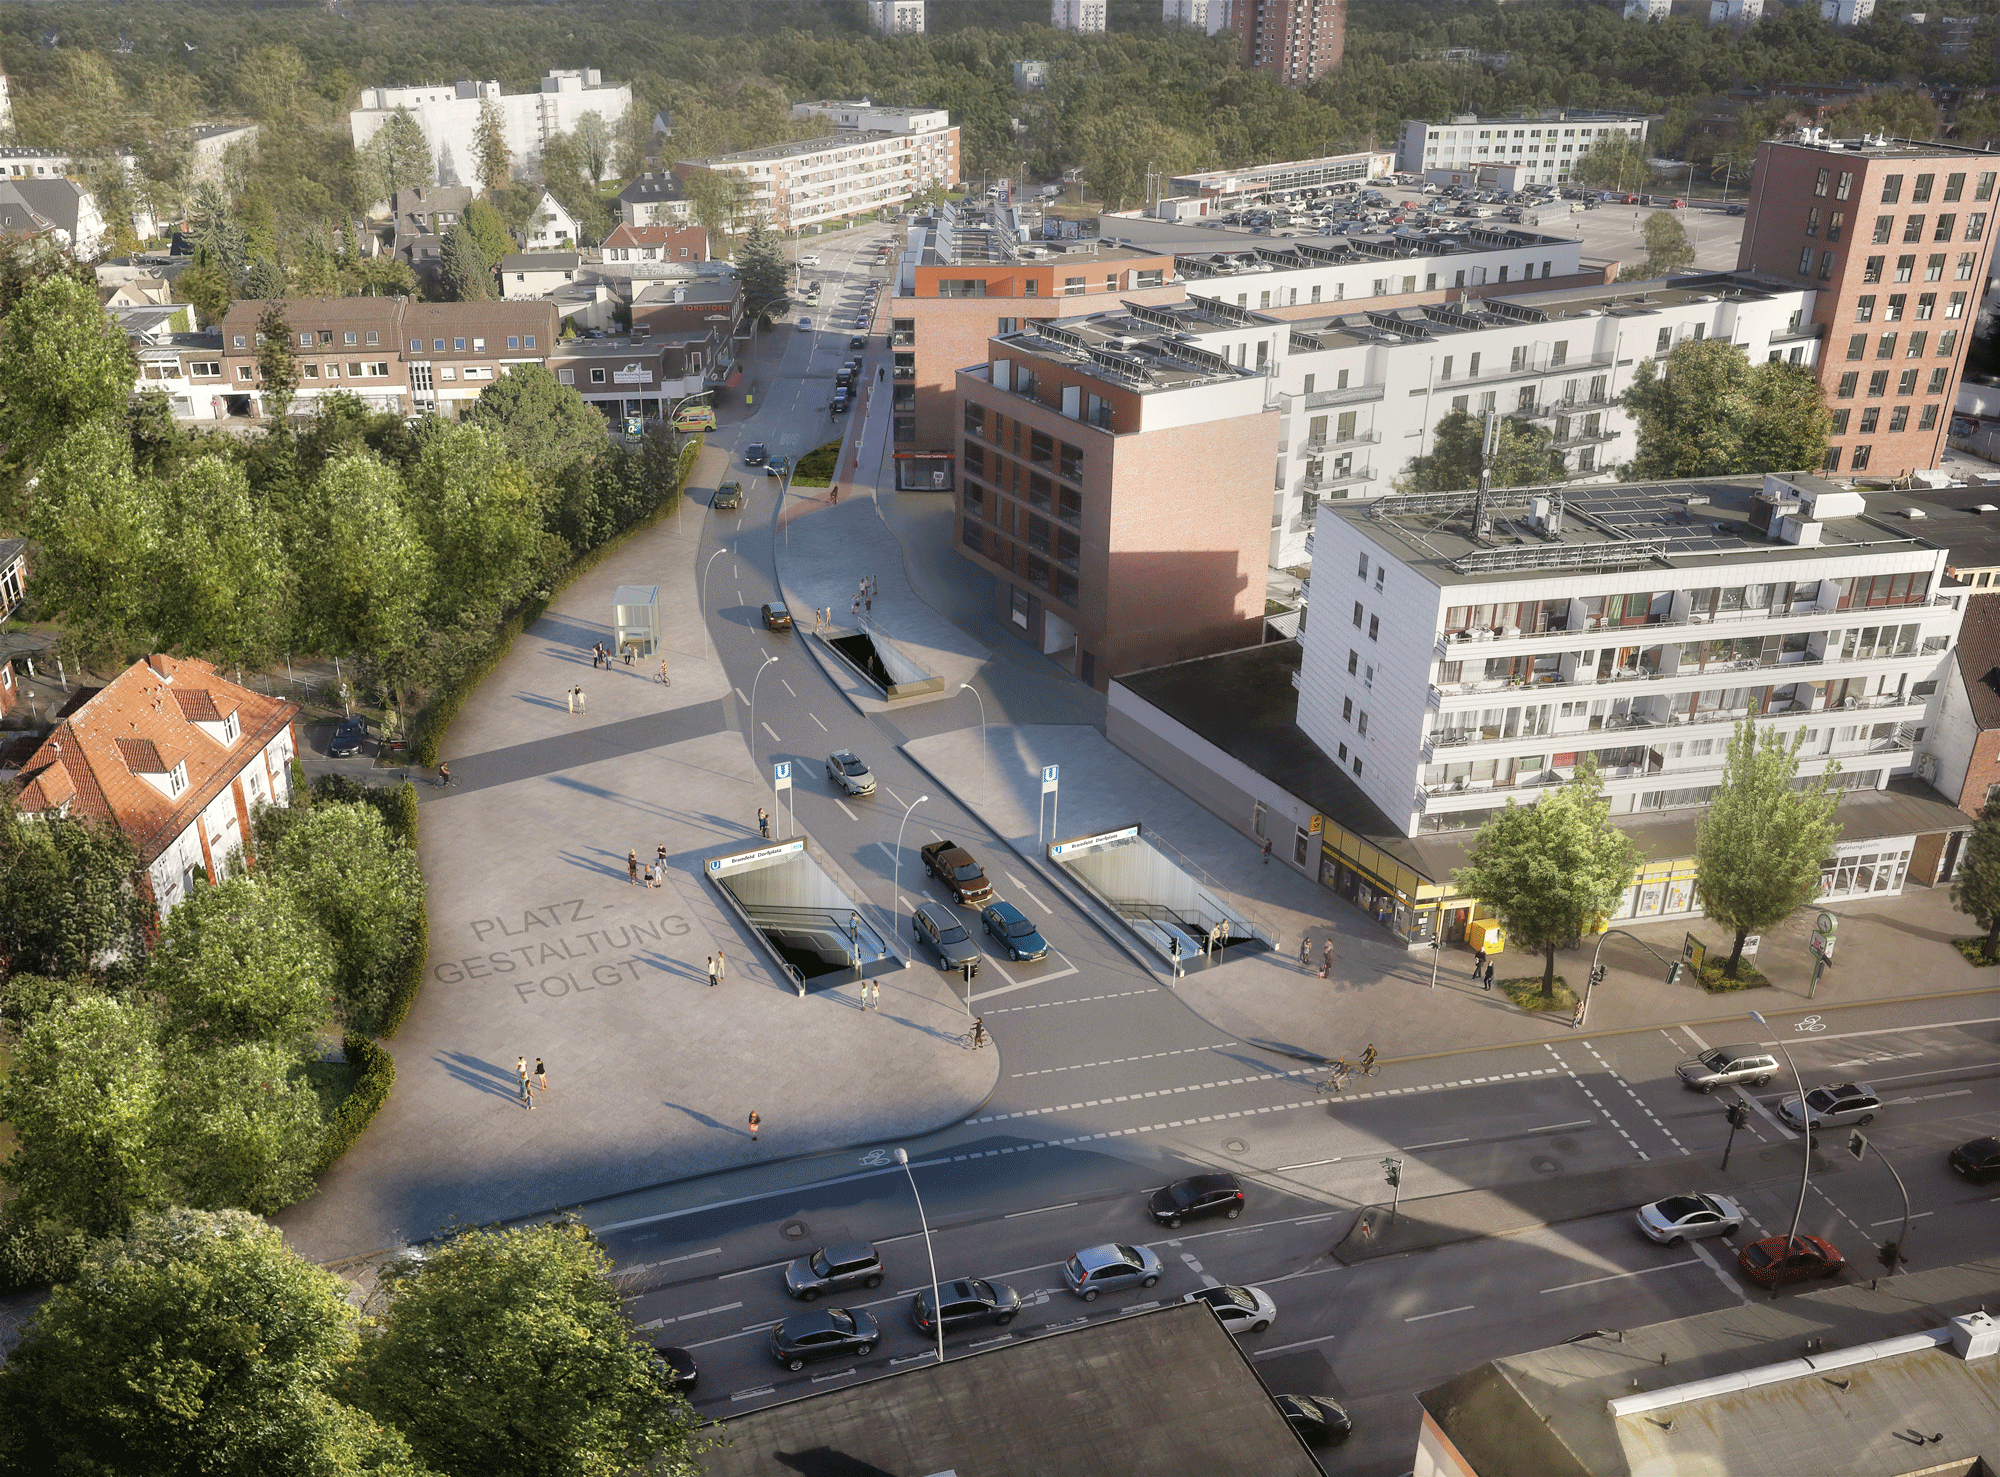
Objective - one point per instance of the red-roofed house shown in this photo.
(648, 253)
(178, 758)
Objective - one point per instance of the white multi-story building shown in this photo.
(897, 17)
(1207, 15)
(1746, 12)
(880, 158)
(1845, 12)
(1086, 17)
(1544, 146)
(449, 114)
(1648, 10)
(1463, 652)
(866, 116)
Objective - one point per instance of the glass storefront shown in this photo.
(1866, 869)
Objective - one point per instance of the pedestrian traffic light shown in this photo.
(1888, 1254)
(1597, 974)
(1738, 1114)
(1392, 1172)
(1674, 973)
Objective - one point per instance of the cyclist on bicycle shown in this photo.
(444, 776)
(1368, 1058)
(978, 1032)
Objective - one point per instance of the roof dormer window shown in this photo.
(230, 728)
(177, 780)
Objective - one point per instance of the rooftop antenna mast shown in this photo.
(1482, 511)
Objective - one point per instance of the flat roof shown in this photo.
(1309, 252)
(1285, 166)
(846, 138)
(1884, 148)
(1161, 1392)
(1142, 347)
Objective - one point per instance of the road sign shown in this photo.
(1049, 773)
(781, 775)
(1857, 1143)
(1694, 951)
(1825, 933)
(1750, 943)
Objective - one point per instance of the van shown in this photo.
(694, 418)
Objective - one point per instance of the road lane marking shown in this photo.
(1644, 1107)
(838, 1374)
(1763, 1112)
(843, 805)
(1441, 1313)
(822, 727)
(1029, 895)
(786, 685)
(1119, 1061)
(1551, 1127)
(1584, 1088)
(703, 1313)
(753, 1394)
(1439, 1144)
(770, 730)
(768, 1266)
(1301, 1344)
(1308, 1164)
(1733, 1284)
(741, 698)
(1897, 1220)
(1617, 1276)
(668, 1262)
(898, 799)
(912, 1358)
(1043, 1210)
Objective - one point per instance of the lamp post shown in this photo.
(704, 578)
(937, 1302)
(896, 879)
(1805, 1164)
(983, 746)
(769, 662)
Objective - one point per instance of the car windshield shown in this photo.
(1716, 1061)
(1184, 1193)
(1019, 928)
(820, 1265)
(1229, 1297)
(852, 765)
(1130, 1254)
(1821, 1100)
(966, 871)
(1678, 1208)
(841, 1319)
(756, 448)
(955, 934)
(983, 1290)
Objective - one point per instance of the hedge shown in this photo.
(437, 718)
(818, 466)
(412, 978)
(36, 1253)
(375, 1074)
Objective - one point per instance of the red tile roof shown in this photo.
(144, 722)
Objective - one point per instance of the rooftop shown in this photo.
(1879, 147)
(1977, 653)
(1145, 348)
(1308, 251)
(799, 148)
(540, 261)
(1953, 516)
(975, 232)
(652, 186)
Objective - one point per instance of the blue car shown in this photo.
(1014, 933)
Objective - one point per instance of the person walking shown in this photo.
(978, 1032)
(1478, 960)
(1489, 974)
(763, 823)
(1576, 1021)
(520, 1066)
(1174, 953)
(711, 971)
(632, 866)
(1305, 950)
(571, 695)
(1326, 960)
(1267, 851)
(444, 776)
(721, 966)
(579, 691)
(541, 1076)
(755, 1124)
(527, 1093)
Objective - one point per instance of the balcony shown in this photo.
(1540, 369)
(1642, 727)
(1582, 405)
(1317, 444)
(1456, 640)
(1796, 335)
(1355, 395)
(1583, 438)
(1318, 482)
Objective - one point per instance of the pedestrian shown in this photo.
(1326, 960)
(571, 695)
(579, 691)
(1305, 949)
(978, 1032)
(711, 971)
(871, 995)
(721, 966)
(1489, 974)
(755, 1124)
(1576, 1021)
(853, 928)
(1478, 960)
(649, 876)
(855, 609)
(879, 373)
(541, 1076)
(1174, 953)
(520, 1066)
(836, 493)
(664, 679)
(869, 602)
(1267, 851)
(763, 823)
(660, 858)
(632, 866)
(527, 1093)
(444, 776)
(631, 651)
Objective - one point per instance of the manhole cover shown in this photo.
(1542, 1164)
(794, 1230)
(1235, 1146)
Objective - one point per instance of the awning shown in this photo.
(735, 378)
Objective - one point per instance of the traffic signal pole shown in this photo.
(1738, 1114)
(1597, 967)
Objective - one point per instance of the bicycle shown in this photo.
(444, 777)
(974, 1038)
(664, 679)
(1369, 1065)
(1336, 1078)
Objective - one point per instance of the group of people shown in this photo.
(530, 1086)
(600, 655)
(652, 874)
(1325, 958)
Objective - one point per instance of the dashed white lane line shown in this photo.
(1835, 1208)
(843, 805)
(1040, 1210)
(822, 727)
(649, 1266)
(1022, 887)
(1079, 1000)
(754, 1394)
(1441, 1313)
(1613, 1071)
(1617, 1277)
(1118, 1061)
(741, 698)
(786, 685)
(684, 1317)
(1273, 1077)
(770, 730)
(1708, 1259)
(1584, 1088)
(1896, 1220)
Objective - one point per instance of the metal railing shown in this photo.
(1712, 618)
(1354, 395)
(1316, 444)
(1313, 481)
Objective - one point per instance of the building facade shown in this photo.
(897, 17)
(654, 199)
(449, 114)
(1209, 16)
(1085, 17)
(860, 169)
(178, 758)
(1543, 147)
(1227, 187)
(1896, 240)
(1296, 41)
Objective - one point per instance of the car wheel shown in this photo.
(810, 1295)
(1233, 1212)
(1090, 1296)
(795, 1365)
(1675, 1241)
(1865, 1119)
(1259, 1326)
(873, 1282)
(1174, 1224)
(1150, 1282)
(1705, 1088)
(864, 1350)
(1004, 1319)
(1761, 1080)
(1831, 1272)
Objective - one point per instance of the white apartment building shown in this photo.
(1845, 12)
(449, 114)
(1747, 12)
(856, 171)
(1354, 269)
(897, 17)
(1086, 17)
(1544, 146)
(1209, 16)
(872, 117)
(1448, 670)
(1648, 10)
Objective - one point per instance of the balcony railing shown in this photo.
(1316, 444)
(1712, 618)
(1354, 395)
(1636, 724)
(1580, 406)
(1316, 481)
(1794, 335)
(1539, 370)
(1583, 438)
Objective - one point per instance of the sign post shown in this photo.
(1392, 1174)
(781, 779)
(1825, 933)
(1050, 776)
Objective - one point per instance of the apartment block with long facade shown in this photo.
(1544, 146)
(1085, 17)
(1296, 41)
(1227, 187)
(851, 172)
(896, 17)
(1896, 240)
(449, 115)
(1113, 479)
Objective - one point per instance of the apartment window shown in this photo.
(975, 419)
(1947, 342)
(1805, 267)
(1666, 339)
(1916, 349)
(1836, 223)
(1860, 461)
(1926, 305)
(238, 342)
(1878, 384)
(347, 337)
(1846, 184)
(1905, 265)
(1857, 346)
(245, 372)
(371, 337)
(1892, 188)
(1869, 418)
(1864, 312)
(1954, 187)
(1945, 225)
(1347, 710)
(310, 371)
(305, 340)
(1885, 346)
(1361, 723)
(1934, 268)
(437, 346)
(1812, 219)
(1927, 421)
(1315, 294)
(513, 341)
(1939, 378)
(1309, 384)
(205, 368)
(1899, 418)
(1073, 286)
(1072, 462)
(1975, 225)
(597, 376)
(1558, 353)
(1955, 308)
(1967, 261)
(1892, 312)
(1920, 192)
(1358, 614)
(1825, 265)
(1884, 224)
(326, 337)
(416, 346)
(458, 345)
(1906, 382)
(1840, 418)
(1374, 627)
(1871, 270)
(1819, 183)
(528, 342)
(1353, 661)
(1913, 228)
(1832, 463)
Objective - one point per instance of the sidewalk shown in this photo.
(540, 946)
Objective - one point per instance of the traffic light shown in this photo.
(1674, 973)
(1738, 1114)
(1597, 974)
(1888, 1254)
(1392, 1172)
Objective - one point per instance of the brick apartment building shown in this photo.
(1296, 41)
(1896, 239)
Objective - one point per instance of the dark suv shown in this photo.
(946, 936)
(828, 1333)
(834, 1269)
(1203, 1194)
(953, 865)
(971, 1301)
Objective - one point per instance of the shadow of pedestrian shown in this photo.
(476, 1072)
(704, 1120)
(666, 964)
(538, 700)
(604, 868)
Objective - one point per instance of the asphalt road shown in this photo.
(1110, 1086)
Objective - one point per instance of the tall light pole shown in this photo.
(1805, 1164)
(984, 747)
(704, 578)
(896, 877)
(769, 662)
(937, 1302)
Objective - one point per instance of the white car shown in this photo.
(1680, 1218)
(845, 769)
(808, 259)
(1241, 1309)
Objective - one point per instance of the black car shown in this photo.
(940, 929)
(857, 342)
(753, 454)
(841, 405)
(675, 1367)
(346, 740)
(1011, 928)
(966, 1303)
(834, 1269)
(1315, 1417)
(828, 1333)
(1203, 1194)
(1978, 1160)
(953, 865)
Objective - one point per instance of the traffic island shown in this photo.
(1527, 994)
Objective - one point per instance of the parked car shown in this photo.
(808, 259)
(953, 865)
(729, 495)
(840, 405)
(347, 737)
(970, 1301)
(1111, 1267)
(675, 1367)
(859, 341)
(829, 1333)
(1315, 1417)
(1810, 1257)
(754, 454)
(834, 1269)
(845, 769)
(1977, 1159)
(1010, 928)
(1725, 1066)
(1681, 1218)
(939, 928)
(777, 618)
(1832, 1107)
(1733, 210)
(1198, 1195)
(1241, 1309)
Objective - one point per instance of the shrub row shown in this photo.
(35, 1253)
(374, 1075)
(411, 979)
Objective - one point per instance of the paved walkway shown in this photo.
(540, 946)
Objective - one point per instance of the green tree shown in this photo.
(1552, 870)
(1667, 246)
(1760, 842)
(760, 259)
(716, 198)
(367, 892)
(209, 288)
(240, 1127)
(593, 139)
(244, 962)
(1615, 162)
(232, 601)
(365, 584)
(64, 362)
(508, 1352)
(218, 233)
(489, 147)
(265, 280)
(463, 269)
(83, 1094)
(1976, 893)
(546, 426)
(277, 367)
(97, 522)
(198, 1344)
(1522, 456)
(69, 900)
(479, 515)
(397, 158)
(489, 231)
(1713, 414)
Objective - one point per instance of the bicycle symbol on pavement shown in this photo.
(1809, 1023)
(875, 1158)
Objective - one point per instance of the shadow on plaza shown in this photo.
(478, 1073)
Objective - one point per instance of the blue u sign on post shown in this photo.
(781, 774)
(1049, 773)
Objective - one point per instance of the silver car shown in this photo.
(1680, 1218)
(1111, 1267)
(845, 769)
(1726, 1066)
(1833, 1107)
(834, 1269)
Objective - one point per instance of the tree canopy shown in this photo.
(1522, 456)
(1976, 893)
(1714, 414)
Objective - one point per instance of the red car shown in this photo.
(1811, 1257)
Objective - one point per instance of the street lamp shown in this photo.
(769, 662)
(937, 1302)
(984, 747)
(1805, 1164)
(704, 578)
(896, 878)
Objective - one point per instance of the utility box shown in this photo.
(1975, 1335)
(1486, 935)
